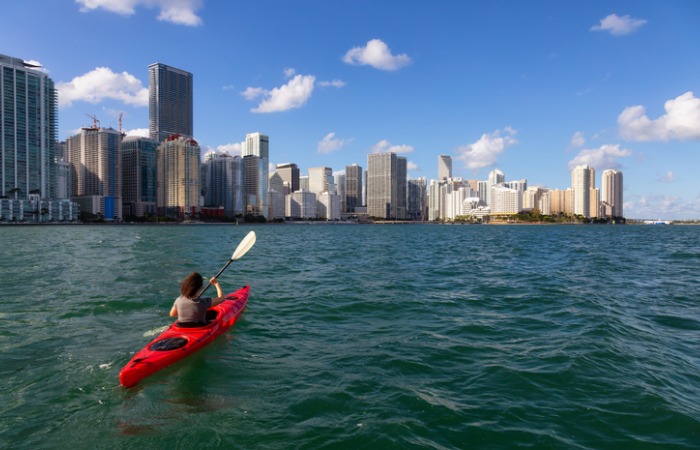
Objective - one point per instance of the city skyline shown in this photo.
(533, 90)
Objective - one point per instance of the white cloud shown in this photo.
(332, 83)
(289, 73)
(227, 87)
(376, 54)
(662, 207)
(485, 151)
(681, 121)
(385, 146)
(330, 144)
(140, 132)
(668, 177)
(233, 149)
(292, 95)
(618, 26)
(101, 84)
(412, 166)
(602, 158)
(180, 12)
(578, 139)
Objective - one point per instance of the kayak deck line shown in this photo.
(177, 342)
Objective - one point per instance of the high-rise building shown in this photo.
(417, 204)
(290, 176)
(178, 166)
(170, 102)
(321, 180)
(353, 187)
(495, 178)
(612, 191)
(139, 176)
(582, 182)
(386, 186)
(222, 181)
(258, 145)
(96, 165)
(444, 167)
(28, 130)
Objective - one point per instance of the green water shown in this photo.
(377, 337)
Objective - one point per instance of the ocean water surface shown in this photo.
(357, 336)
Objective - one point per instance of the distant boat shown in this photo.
(657, 222)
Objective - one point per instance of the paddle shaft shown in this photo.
(216, 276)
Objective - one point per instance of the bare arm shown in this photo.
(219, 292)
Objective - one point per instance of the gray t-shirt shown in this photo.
(189, 310)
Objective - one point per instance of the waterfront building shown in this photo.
(139, 175)
(222, 181)
(328, 206)
(303, 205)
(303, 183)
(321, 180)
(96, 171)
(28, 130)
(434, 200)
(386, 186)
(495, 177)
(417, 201)
(612, 191)
(444, 167)
(582, 182)
(290, 176)
(257, 145)
(353, 187)
(561, 201)
(505, 200)
(339, 186)
(178, 169)
(170, 102)
(276, 203)
(595, 203)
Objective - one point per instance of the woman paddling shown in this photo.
(191, 311)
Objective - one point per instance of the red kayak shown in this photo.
(178, 342)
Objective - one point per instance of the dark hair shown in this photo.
(191, 285)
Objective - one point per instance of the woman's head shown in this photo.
(191, 285)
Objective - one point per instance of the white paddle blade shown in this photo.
(245, 245)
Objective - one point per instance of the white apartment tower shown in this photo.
(582, 184)
(612, 191)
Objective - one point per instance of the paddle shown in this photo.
(245, 245)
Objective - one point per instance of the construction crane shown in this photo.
(120, 123)
(95, 122)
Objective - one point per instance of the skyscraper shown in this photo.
(169, 102)
(386, 186)
(258, 145)
(582, 183)
(353, 187)
(28, 130)
(444, 167)
(139, 175)
(612, 191)
(290, 176)
(178, 166)
(320, 179)
(96, 166)
(222, 182)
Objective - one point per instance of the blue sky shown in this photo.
(529, 87)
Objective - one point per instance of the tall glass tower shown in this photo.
(28, 130)
(169, 102)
